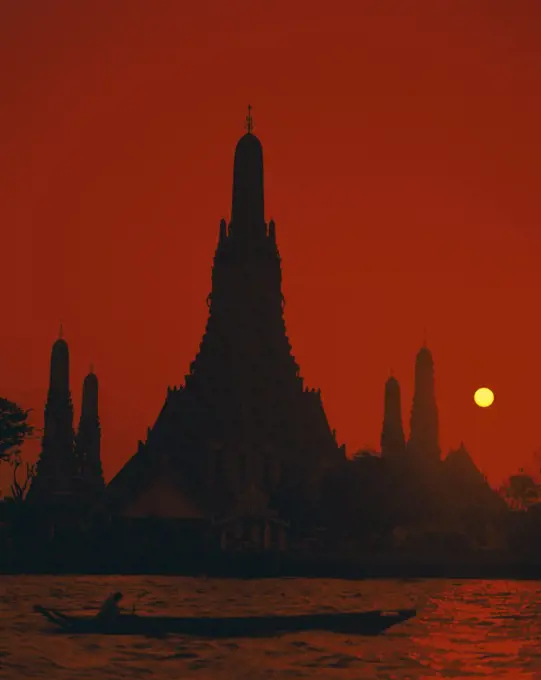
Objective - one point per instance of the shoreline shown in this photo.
(472, 567)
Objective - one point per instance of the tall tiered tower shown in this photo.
(243, 418)
(423, 444)
(393, 444)
(87, 444)
(57, 467)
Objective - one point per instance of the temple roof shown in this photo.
(162, 496)
(460, 463)
(465, 483)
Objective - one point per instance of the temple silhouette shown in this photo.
(243, 423)
(241, 456)
(69, 470)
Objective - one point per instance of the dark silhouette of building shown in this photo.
(469, 501)
(393, 442)
(68, 471)
(88, 441)
(243, 422)
(56, 470)
(423, 445)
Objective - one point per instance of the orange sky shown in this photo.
(402, 145)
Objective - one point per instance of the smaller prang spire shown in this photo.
(57, 466)
(88, 442)
(89, 408)
(393, 443)
(423, 443)
(59, 367)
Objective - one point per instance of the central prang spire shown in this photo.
(243, 419)
(247, 213)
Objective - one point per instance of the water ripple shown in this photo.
(464, 629)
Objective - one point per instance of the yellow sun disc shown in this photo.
(484, 397)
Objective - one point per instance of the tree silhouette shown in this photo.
(520, 491)
(18, 491)
(14, 429)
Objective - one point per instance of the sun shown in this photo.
(484, 397)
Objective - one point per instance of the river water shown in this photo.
(464, 629)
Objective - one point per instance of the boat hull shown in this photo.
(357, 623)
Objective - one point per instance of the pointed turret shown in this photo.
(56, 469)
(248, 212)
(88, 442)
(59, 377)
(393, 444)
(423, 443)
(89, 404)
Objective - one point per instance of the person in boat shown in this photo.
(110, 609)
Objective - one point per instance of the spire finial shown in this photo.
(61, 331)
(92, 367)
(249, 125)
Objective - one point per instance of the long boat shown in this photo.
(356, 623)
